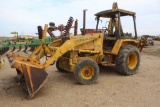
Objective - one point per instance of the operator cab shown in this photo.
(114, 30)
(114, 24)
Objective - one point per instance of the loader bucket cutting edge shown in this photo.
(34, 77)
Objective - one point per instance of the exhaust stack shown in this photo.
(84, 21)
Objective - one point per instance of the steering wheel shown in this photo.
(105, 31)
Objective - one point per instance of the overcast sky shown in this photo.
(25, 15)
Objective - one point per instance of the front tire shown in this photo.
(86, 71)
(128, 60)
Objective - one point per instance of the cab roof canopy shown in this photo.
(111, 13)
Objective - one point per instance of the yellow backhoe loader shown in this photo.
(83, 53)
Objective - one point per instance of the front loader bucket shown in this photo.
(34, 77)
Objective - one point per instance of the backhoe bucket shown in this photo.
(33, 76)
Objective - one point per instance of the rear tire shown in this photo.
(128, 60)
(58, 68)
(86, 71)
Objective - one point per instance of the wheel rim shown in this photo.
(87, 72)
(132, 60)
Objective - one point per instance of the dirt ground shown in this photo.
(111, 89)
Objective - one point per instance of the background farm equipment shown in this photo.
(157, 38)
(13, 46)
(148, 40)
(64, 30)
